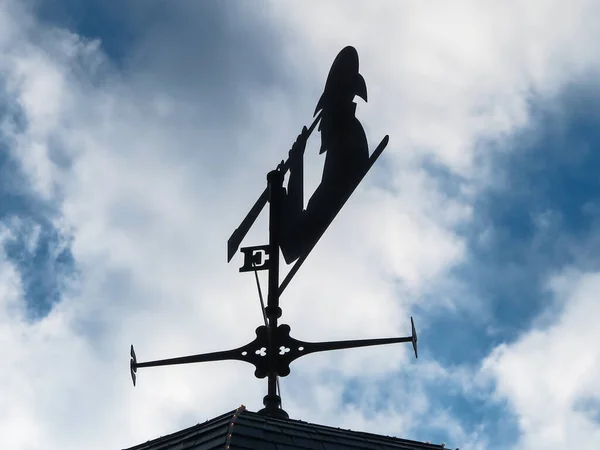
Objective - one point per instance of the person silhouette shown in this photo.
(347, 159)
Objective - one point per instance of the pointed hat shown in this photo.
(343, 80)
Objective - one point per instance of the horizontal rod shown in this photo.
(205, 357)
(310, 347)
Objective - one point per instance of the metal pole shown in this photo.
(272, 401)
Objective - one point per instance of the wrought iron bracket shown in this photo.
(288, 349)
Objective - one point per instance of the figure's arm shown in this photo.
(295, 188)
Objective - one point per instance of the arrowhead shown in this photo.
(133, 365)
(414, 337)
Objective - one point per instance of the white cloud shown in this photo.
(151, 196)
(548, 372)
(443, 78)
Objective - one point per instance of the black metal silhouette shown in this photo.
(287, 350)
(296, 230)
(255, 258)
(309, 244)
(346, 162)
(240, 232)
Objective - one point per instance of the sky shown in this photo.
(135, 136)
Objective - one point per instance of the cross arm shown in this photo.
(204, 357)
(291, 349)
(253, 353)
(355, 343)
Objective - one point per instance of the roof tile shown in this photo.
(245, 430)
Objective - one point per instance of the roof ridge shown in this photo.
(184, 431)
(236, 414)
(241, 428)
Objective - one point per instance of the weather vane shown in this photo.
(295, 230)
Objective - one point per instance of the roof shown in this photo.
(243, 429)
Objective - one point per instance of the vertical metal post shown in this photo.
(272, 401)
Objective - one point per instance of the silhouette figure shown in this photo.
(343, 139)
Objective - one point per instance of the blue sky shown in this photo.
(134, 138)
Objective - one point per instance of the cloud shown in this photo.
(454, 77)
(550, 374)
